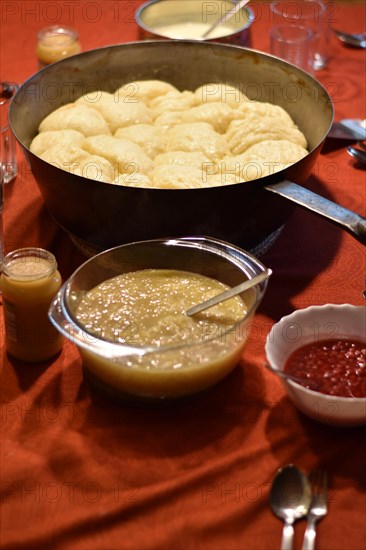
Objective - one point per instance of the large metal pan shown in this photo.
(99, 215)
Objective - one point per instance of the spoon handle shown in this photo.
(226, 16)
(227, 294)
(287, 536)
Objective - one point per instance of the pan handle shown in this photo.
(352, 222)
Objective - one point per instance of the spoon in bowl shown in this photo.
(230, 293)
(286, 376)
(225, 17)
(290, 499)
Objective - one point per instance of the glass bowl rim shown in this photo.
(62, 317)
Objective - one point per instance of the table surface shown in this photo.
(81, 472)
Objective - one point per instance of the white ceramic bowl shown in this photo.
(314, 323)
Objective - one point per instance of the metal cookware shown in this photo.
(99, 215)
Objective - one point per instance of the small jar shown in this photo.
(55, 43)
(29, 282)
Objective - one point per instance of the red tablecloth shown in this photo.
(80, 472)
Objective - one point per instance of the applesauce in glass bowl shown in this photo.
(149, 349)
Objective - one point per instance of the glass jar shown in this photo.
(29, 282)
(55, 43)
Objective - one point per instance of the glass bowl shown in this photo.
(165, 372)
(312, 324)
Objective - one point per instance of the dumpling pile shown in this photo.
(150, 134)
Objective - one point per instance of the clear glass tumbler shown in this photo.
(8, 152)
(311, 14)
(292, 43)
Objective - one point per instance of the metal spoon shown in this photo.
(290, 499)
(352, 39)
(287, 376)
(348, 128)
(357, 154)
(226, 16)
(227, 294)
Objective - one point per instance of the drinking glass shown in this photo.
(1, 221)
(291, 43)
(8, 153)
(311, 14)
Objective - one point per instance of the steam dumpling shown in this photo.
(135, 179)
(266, 109)
(144, 90)
(117, 112)
(222, 93)
(65, 157)
(222, 178)
(97, 168)
(169, 119)
(263, 159)
(173, 101)
(126, 156)
(253, 129)
(182, 158)
(46, 140)
(75, 160)
(168, 176)
(198, 136)
(163, 137)
(149, 138)
(219, 115)
(282, 151)
(72, 116)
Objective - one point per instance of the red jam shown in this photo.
(334, 367)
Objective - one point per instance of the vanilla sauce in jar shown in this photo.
(29, 281)
(56, 43)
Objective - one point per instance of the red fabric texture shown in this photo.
(80, 472)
